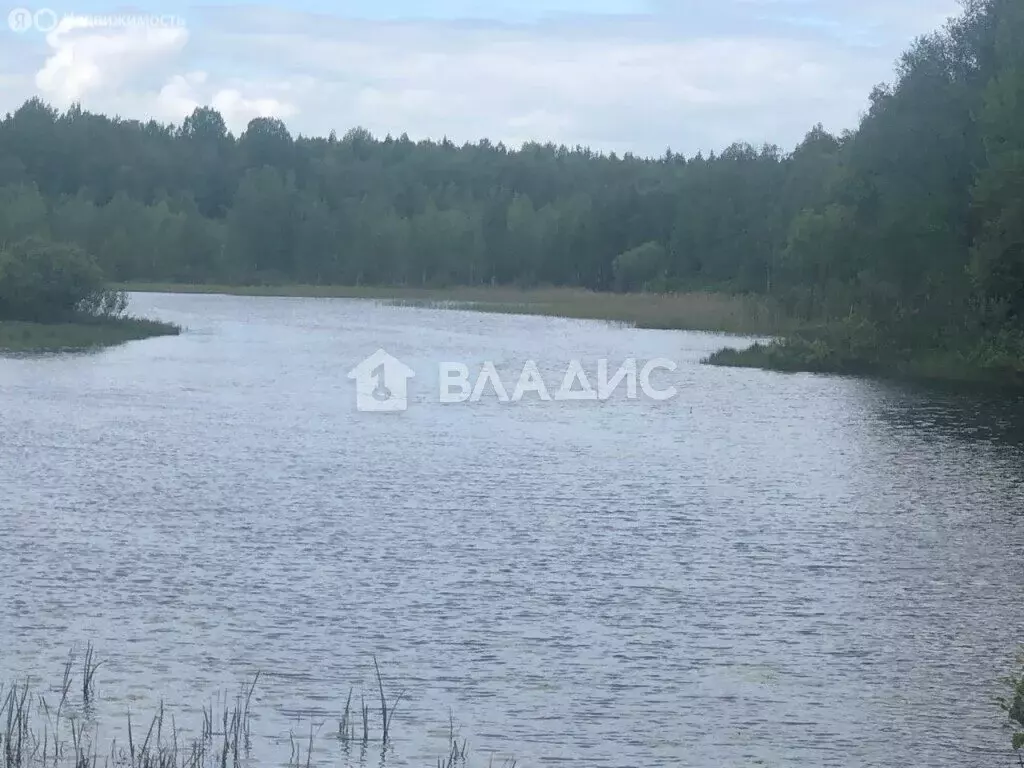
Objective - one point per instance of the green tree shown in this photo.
(639, 268)
(260, 233)
(43, 281)
(998, 256)
(23, 213)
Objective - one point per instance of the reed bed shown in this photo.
(59, 729)
(33, 733)
(692, 311)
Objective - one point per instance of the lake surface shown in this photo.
(768, 569)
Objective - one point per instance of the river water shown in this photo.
(767, 569)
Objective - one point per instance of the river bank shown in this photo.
(84, 333)
(798, 354)
(691, 311)
(797, 348)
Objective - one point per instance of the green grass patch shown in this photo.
(86, 333)
(694, 311)
(801, 354)
(790, 356)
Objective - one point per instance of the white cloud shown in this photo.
(622, 86)
(87, 57)
(183, 93)
(178, 97)
(636, 83)
(238, 109)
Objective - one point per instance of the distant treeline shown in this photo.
(910, 229)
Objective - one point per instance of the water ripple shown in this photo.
(794, 570)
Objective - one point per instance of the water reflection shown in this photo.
(984, 415)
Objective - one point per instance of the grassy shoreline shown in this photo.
(80, 334)
(927, 367)
(798, 348)
(694, 311)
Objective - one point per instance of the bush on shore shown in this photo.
(54, 296)
(44, 281)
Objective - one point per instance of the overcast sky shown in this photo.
(618, 75)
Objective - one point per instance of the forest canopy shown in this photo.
(910, 229)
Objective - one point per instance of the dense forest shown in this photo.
(909, 230)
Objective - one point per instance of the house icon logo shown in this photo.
(382, 383)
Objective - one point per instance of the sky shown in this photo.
(616, 75)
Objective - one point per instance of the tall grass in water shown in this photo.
(32, 733)
(35, 733)
(89, 667)
(692, 311)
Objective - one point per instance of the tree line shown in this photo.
(909, 229)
